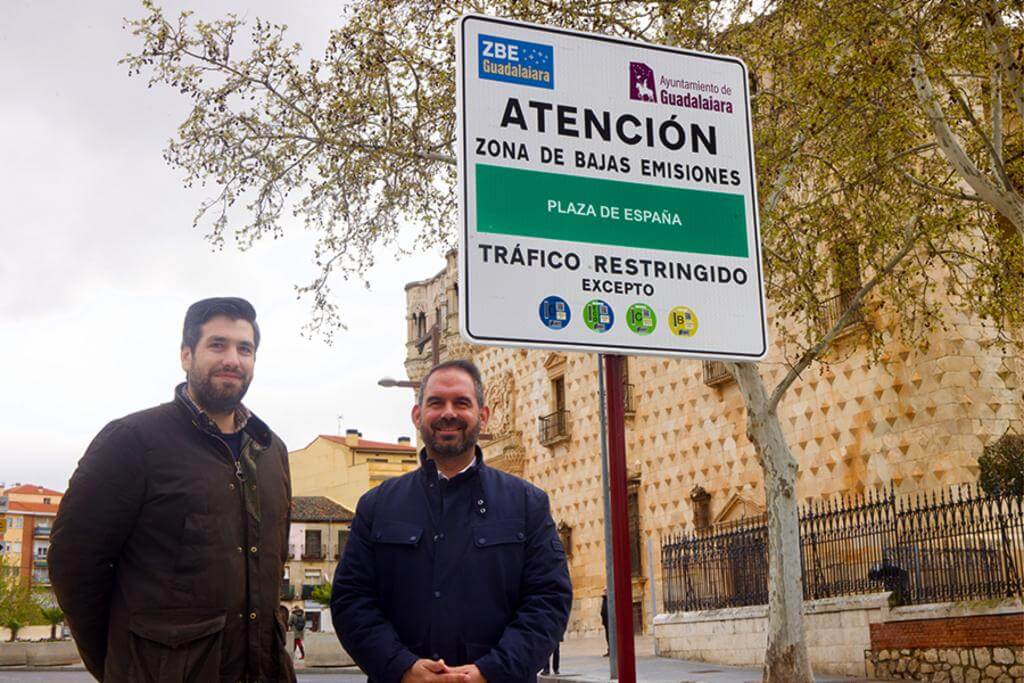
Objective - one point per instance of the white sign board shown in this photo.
(608, 198)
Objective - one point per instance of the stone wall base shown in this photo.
(837, 634)
(958, 665)
(962, 642)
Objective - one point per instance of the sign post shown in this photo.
(608, 204)
(621, 566)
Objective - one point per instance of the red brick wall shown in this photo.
(1000, 629)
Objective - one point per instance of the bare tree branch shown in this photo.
(997, 33)
(1006, 201)
(993, 152)
(939, 190)
(997, 113)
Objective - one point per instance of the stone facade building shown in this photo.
(915, 420)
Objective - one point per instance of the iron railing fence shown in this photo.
(956, 544)
(323, 551)
(554, 426)
(834, 307)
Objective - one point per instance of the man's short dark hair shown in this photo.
(232, 307)
(467, 367)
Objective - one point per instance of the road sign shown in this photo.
(608, 197)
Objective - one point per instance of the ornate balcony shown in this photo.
(554, 427)
(313, 553)
(715, 373)
(833, 308)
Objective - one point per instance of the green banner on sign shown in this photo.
(513, 201)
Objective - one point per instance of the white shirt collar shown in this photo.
(440, 474)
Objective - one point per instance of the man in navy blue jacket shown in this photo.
(453, 573)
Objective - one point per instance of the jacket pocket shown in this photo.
(489, 534)
(397, 533)
(198, 529)
(497, 552)
(176, 645)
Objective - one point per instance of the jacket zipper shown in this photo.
(240, 475)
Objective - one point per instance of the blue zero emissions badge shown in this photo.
(554, 312)
(516, 61)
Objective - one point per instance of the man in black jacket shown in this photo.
(167, 551)
(453, 572)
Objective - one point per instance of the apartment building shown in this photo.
(27, 512)
(345, 467)
(316, 539)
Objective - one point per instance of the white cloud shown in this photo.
(99, 260)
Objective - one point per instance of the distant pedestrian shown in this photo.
(551, 663)
(453, 573)
(169, 546)
(604, 622)
(298, 624)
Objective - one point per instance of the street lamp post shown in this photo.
(390, 382)
(433, 337)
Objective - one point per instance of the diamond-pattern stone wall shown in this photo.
(916, 419)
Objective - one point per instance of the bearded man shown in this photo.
(453, 572)
(167, 551)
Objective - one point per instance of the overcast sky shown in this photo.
(98, 259)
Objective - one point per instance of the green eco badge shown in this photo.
(641, 319)
(682, 321)
(598, 315)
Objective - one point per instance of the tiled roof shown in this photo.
(33, 489)
(363, 444)
(38, 508)
(319, 509)
(382, 446)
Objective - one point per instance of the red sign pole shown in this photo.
(620, 519)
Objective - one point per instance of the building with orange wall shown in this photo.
(27, 512)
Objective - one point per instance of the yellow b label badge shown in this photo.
(682, 321)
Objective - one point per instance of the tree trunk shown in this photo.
(786, 659)
(53, 631)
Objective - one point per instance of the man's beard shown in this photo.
(213, 399)
(449, 449)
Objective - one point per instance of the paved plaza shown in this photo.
(582, 661)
